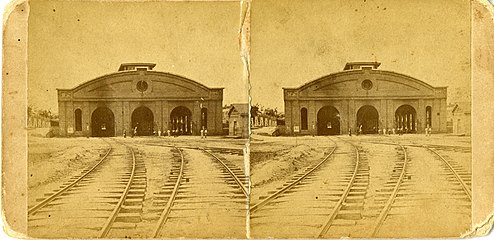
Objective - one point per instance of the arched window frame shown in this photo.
(304, 119)
(78, 119)
(204, 118)
(428, 116)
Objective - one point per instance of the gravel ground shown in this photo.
(273, 161)
(53, 161)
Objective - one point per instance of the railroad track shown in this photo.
(91, 204)
(205, 196)
(326, 195)
(424, 187)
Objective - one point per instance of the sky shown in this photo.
(294, 42)
(70, 43)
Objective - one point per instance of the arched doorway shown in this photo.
(102, 123)
(328, 121)
(406, 118)
(143, 119)
(368, 118)
(181, 121)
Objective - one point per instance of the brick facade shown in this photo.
(135, 86)
(359, 85)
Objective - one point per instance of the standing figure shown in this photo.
(350, 132)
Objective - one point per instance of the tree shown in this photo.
(254, 111)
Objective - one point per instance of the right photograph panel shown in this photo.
(360, 118)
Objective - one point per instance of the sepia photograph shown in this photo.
(137, 120)
(368, 107)
(240, 119)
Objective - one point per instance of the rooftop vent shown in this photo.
(361, 65)
(136, 66)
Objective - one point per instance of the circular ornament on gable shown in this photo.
(367, 84)
(142, 86)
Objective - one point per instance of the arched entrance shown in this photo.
(328, 121)
(181, 121)
(406, 118)
(368, 118)
(102, 123)
(143, 119)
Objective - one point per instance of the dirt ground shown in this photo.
(273, 160)
(52, 161)
(276, 160)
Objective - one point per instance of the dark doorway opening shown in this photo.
(143, 119)
(328, 121)
(102, 123)
(78, 120)
(406, 118)
(181, 121)
(368, 118)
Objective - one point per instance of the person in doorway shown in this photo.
(125, 133)
(205, 133)
(430, 131)
(360, 130)
(350, 132)
(135, 131)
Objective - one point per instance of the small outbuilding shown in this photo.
(461, 118)
(238, 120)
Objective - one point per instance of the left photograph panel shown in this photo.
(137, 120)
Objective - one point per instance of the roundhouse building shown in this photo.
(363, 96)
(138, 98)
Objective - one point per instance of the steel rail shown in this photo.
(338, 206)
(463, 185)
(239, 183)
(390, 201)
(109, 222)
(277, 193)
(43, 203)
(460, 180)
(169, 204)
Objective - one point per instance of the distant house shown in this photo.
(460, 117)
(238, 120)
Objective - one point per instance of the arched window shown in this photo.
(303, 120)
(78, 120)
(428, 116)
(204, 118)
